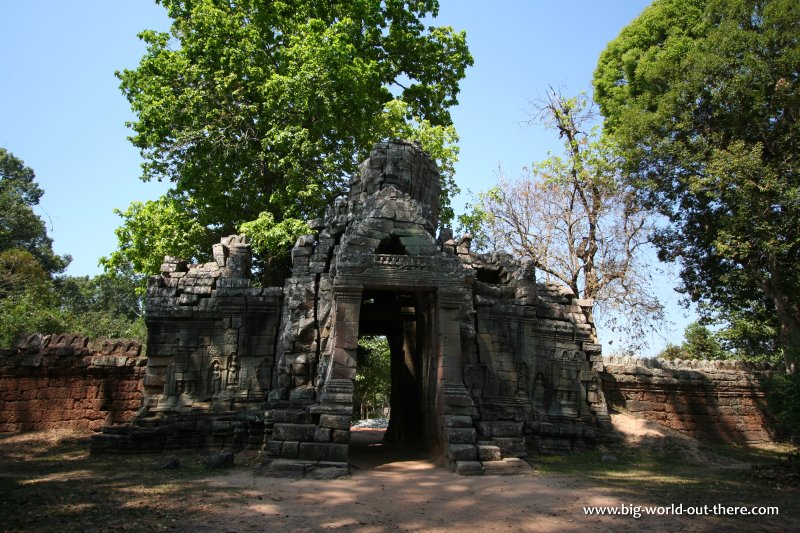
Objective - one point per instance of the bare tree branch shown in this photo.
(573, 217)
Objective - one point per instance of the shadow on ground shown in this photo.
(48, 482)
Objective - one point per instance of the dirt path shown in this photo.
(407, 496)
(391, 490)
(48, 482)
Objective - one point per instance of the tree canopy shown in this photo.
(703, 96)
(20, 227)
(577, 221)
(33, 298)
(261, 110)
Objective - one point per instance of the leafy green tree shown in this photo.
(112, 293)
(40, 309)
(578, 222)
(154, 229)
(671, 352)
(373, 383)
(30, 311)
(19, 269)
(751, 332)
(699, 343)
(20, 227)
(259, 111)
(704, 98)
(31, 298)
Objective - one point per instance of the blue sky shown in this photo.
(61, 110)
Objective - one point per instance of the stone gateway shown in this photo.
(487, 365)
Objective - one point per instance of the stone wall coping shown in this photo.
(638, 364)
(68, 350)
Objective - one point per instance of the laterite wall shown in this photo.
(63, 382)
(711, 400)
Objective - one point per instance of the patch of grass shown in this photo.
(664, 474)
(757, 455)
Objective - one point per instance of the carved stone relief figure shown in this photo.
(215, 378)
(233, 371)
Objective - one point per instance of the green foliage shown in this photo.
(104, 306)
(373, 383)
(783, 402)
(475, 221)
(112, 293)
(264, 109)
(752, 332)
(703, 97)
(271, 238)
(701, 343)
(30, 311)
(20, 227)
(439, 141)
(734, 341)
(104, 325)
(20, 269)
(154, 229)
(672, 352)
(272, 242)
(31, 299)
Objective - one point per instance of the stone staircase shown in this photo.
(500, 450)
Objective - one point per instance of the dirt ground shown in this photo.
(49, 483)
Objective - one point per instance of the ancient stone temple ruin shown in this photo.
(487, 365)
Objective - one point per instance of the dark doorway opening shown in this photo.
(404, 318)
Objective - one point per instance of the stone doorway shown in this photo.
(404, 318)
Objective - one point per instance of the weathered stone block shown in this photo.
(333, 397)
(290, 432)
(292, 416)
(468, 468)
(332, 409)
(323, 451)
(327, 471)
(284, 468)
(341, 436)
(487, 452)
(500, 429)
(454, 421)
(335, 421)
(511, 447)
(459, 435)
(290, 449)
(462, 452)
(188, 299)
(302, 392)
(273, 448)
(505, 467)
(343, 372)
(322, 435)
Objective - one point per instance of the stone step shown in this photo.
(511, 446)
(505, 467)
(307, 469)
(468, 468)
(489, 452)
